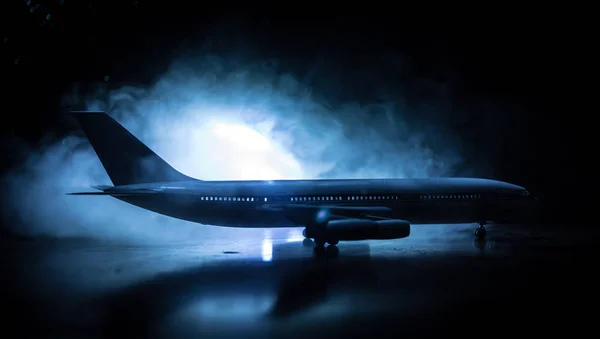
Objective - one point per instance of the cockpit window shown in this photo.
(524, 192)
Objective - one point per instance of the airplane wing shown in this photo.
(336, 211)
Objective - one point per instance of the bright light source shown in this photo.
(267, 250)
(242, 153)
(242, 136)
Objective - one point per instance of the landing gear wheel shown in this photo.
(480, 232)
(480, 244)
(320, 252)
(333, 242)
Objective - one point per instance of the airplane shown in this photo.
(330, 210)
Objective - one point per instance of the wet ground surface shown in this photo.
(521, 281)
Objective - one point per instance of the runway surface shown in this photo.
(271, 284)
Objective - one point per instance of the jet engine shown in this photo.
(359, 229)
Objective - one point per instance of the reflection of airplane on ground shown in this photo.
(330, 210)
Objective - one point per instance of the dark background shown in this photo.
(508, 73)
(515, 82)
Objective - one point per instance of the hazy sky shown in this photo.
(213, 121)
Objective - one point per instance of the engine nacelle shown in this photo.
(358, 229)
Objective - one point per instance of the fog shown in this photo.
(211, 120)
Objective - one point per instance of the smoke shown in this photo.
(212, 120)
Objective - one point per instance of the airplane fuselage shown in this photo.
(330, 210)
(289, 203)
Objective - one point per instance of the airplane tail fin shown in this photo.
(124, 157)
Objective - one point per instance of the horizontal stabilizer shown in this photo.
(92, 193)
(116, 194)
(102, 187)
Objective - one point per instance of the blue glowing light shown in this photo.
(322, 216)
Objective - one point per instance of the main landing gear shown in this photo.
(480, 232)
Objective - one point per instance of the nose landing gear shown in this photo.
(480, 232)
